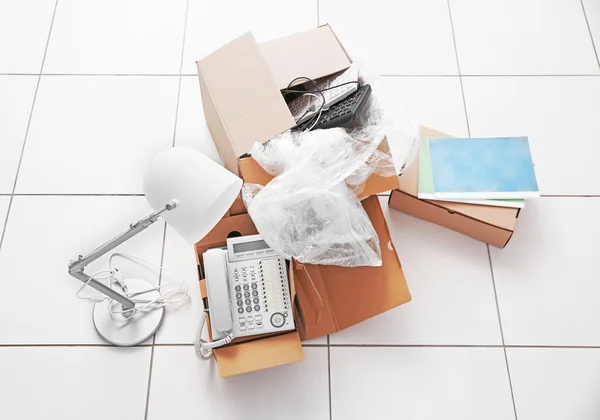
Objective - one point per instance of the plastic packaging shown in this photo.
(309, 211)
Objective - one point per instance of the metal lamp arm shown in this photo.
(77, 266)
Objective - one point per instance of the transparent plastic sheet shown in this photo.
(309, 211)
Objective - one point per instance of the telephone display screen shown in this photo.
(249, 246)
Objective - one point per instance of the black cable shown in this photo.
(320, 91)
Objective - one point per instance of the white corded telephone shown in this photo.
(248, 292)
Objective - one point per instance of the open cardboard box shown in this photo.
(492, 225)
(326, 299)
(240, 85)
(241, 82)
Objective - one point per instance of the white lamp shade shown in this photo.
(202, 189)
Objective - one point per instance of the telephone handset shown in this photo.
(248, 292)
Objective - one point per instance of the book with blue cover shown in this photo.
(426, 192)
(481, 168)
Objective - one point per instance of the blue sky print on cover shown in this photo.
(497, 166)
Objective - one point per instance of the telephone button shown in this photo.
(242, 327)
(239, 303)
(257, 308)
(258, 317)
(250, 326)
(256, 300)
(277, 320)
(255, 293)
(246, 287)
(238, 288)
(254, 286)
(238, 295)
(248, 308)
(247, 294)
(250, 318)
(240, 310)
(241, 319)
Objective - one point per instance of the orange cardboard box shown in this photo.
(240, 85)
(492, 225)
(326, 299)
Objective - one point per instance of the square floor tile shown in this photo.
(558, 114)
(181, 321)
(24, 31)
(97, 134)
(419, 383)
(42, 235)
(294, 391)
(192, 130)
(522, 37)
(73, 382)
(592, 11)
(401, 38)
(449, 278)
(435, 102)
(16, 98)
(117, 37)
(555, 384)
(212, 24)
(547, 276)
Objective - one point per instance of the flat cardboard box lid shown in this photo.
(502, 217)
(241, 82)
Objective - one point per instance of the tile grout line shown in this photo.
(367, 346)
(462, 89)
(162, 254)
(512, 394)
(37, 86)
(329, 377)
(318, 14)
(143, 195)
(149, 381)
(587, 22)
(187, 7)
(425, 75)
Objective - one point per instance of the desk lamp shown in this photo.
(191, 193)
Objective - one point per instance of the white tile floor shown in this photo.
(91, 91)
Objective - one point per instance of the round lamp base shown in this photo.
(136, 330)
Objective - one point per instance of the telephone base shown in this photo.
(132, 332)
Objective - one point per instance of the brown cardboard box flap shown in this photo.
(248, 106)
(502, 217)
(352, 295)
(241, 81)
(314, 53)
(259, 354)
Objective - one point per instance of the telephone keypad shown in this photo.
(262, 290)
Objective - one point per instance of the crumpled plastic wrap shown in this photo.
(310, 211)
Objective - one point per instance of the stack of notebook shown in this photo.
(487, 171)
